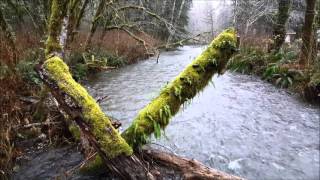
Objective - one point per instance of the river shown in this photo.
(239, 124)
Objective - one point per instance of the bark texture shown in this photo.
(307, 34)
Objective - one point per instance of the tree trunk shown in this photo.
(171, 29)
(171, 35)
(81, 13)
(58, 13)
(279, 32)
(94, 23)
(113, 149)
(316, 34)
(73, 9)
(9, 35)
(182, 89)
(306, 48)
(96, 127)
(163, 7)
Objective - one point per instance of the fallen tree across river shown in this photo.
(121, 154)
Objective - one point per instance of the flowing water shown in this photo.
(240, 124)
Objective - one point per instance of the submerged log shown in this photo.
(113, 149)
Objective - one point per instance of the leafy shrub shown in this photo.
(27, 72)
(281, 75)
(84, 63)
(25, 67)
(273, 67)
(283, 56)
(105, 58)
(248, 61)
(79, 71)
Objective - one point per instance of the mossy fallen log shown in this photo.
(115, 153)
(193, 79)
(156, 115)
(113, 149)
(111, 143)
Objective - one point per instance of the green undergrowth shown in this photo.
(81, 64)
(280, 68)
(84, 63)
(24, 68)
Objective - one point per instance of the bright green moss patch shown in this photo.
(110, 141)
(184, 87)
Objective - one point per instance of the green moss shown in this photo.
(110, 141)
(94, 167)
(75, 131)
(58, 10)
(183, 88)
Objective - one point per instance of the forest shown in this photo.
(159, 89)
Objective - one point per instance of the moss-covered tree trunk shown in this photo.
(279, 30)
(58, 12)
(307, 34)
(156, 115)
(114, 150)
(183, 88)
(116, 154)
